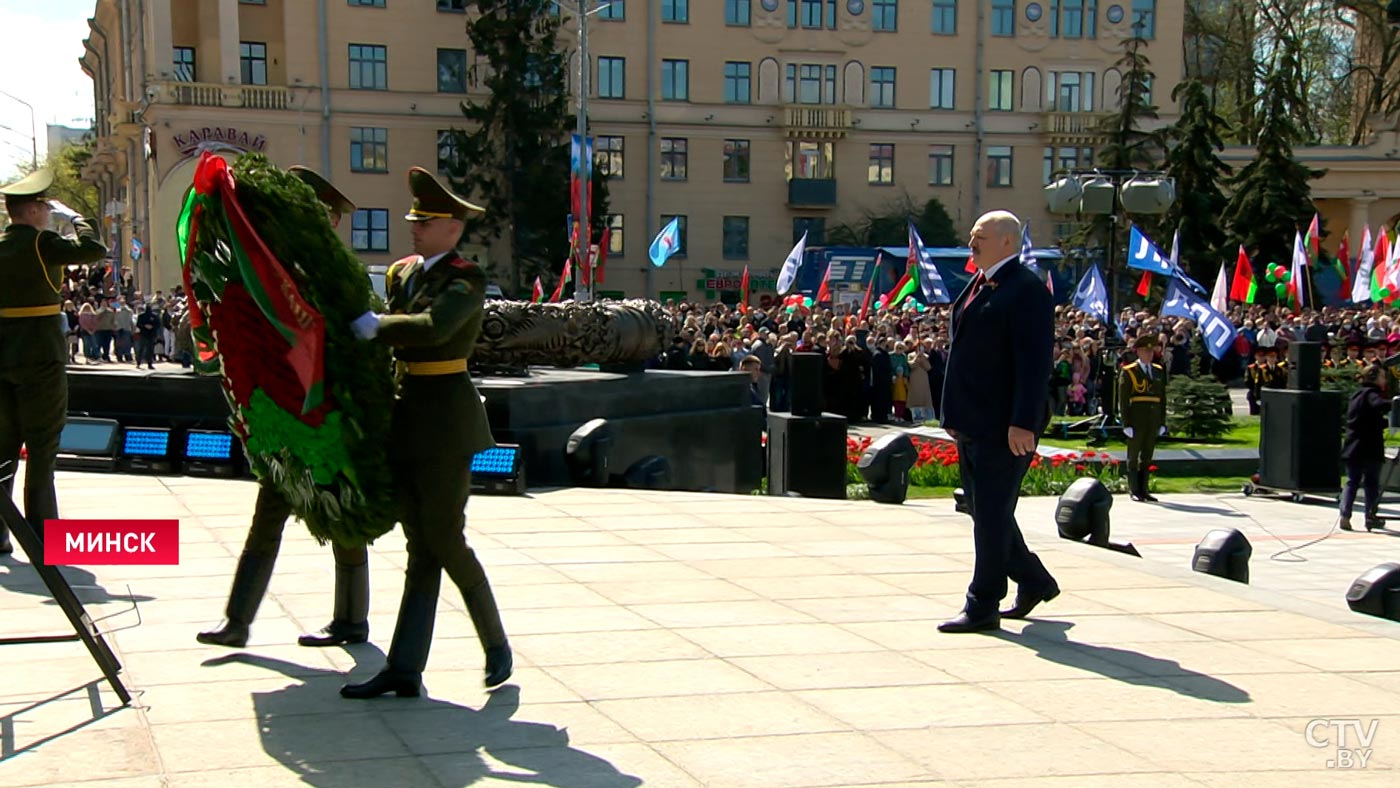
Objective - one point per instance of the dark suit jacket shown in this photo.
(1366, 419)
(999, 357)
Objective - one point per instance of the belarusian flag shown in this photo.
(537, 292)
(1144, 287)
(902, 289)
(744, 292)
(823, 292)
(1243, 287)
(1382, 256)
(1344, 264)
(563, 277)
(1313, 242)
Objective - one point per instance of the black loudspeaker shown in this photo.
(1300, 440)
(885, 467)
(1305, 366)
(806, 455)
(806, 390)
(1082, 512)
(1224, 553)
(1377, 593)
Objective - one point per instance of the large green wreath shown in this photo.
(310, 402)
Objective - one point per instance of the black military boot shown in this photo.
(1134, 491)
(413, 636)
(249, 586)
(481, 604)
(350, 622)
(1143, 488)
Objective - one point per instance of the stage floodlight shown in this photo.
(1063, 195)
(499, 470)
(1148, 194)
(649, 473)
(1082, 512)
(146, 450)
(586, 453)
(1224, 553)
(1377, 593)
(1099, 197)
(885, 467)
(88, 444)
(210, 453)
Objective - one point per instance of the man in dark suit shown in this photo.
(996, 404)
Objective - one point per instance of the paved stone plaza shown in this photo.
(675, 639)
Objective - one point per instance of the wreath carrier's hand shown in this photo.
(365, 326)
(1128, 431)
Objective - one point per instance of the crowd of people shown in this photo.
(109, 321)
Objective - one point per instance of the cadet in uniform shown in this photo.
(33, 348)
(1142, 403)
(350, 621)
(1254, 376)
(436, 300)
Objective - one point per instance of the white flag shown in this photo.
(1361, 285)
(788, 275)
(1220, 297)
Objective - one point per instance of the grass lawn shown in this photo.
(1245, 435)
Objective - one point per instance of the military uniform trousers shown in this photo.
(33, 409)
(1140, 448)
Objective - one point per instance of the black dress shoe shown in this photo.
(499, 665)
(336, 633)
(1149, 497)
(967, 623)
(231, 634)
(386, 681)
(1026, 602)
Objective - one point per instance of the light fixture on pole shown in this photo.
(33, 129)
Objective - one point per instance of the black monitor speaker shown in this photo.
(885, 467)
(1225, 553)
(1305, 366)
(806, 455)
(1377, 593)
(806, 386)
(1300, 440)
(1082, 512)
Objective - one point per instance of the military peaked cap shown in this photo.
(325, 192)
(30, 187)
(432, 200)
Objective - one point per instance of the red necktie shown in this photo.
(976, 287)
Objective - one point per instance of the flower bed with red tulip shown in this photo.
(937, 467)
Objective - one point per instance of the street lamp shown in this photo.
(33, 129)
(583, 291)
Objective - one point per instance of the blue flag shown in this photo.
(1091, 296)
(930, 281)
(1144, 255)
(1217, 331)
(667, 243)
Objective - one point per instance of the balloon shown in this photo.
(1287, 276)
(1282, 290)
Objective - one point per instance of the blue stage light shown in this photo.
(146, 450)
(208, 445)
(88, 444)
(499, 471)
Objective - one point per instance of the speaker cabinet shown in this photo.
(806, 391)
(1305, 366)
(1377, 593)
(1300, 440)
(807, 455)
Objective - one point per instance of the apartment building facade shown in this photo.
(754, 120)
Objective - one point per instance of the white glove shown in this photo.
(365, 326)
(63, 212)
(1162, 432)
(1128, 431)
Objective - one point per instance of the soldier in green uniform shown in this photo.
(33, 349)
(1142, 405)
(350, 620)
(436, 301)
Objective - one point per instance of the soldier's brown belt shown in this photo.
(1144, 399)
(29, 311)
(450, 367)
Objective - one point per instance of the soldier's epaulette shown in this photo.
(462, 263)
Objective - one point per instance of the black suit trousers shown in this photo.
(991, 477)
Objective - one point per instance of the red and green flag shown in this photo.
(537, 292)
(870, 286)
(1243, 287)
(563, 278)
(744, 292)
(1144, 287)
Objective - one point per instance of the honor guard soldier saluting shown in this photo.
(436, 301)
(33, 349)
(350, 620)
(1142, 403)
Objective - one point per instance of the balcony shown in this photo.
(816, 122)
(203, 94)
(1074, 128)
(812, 192)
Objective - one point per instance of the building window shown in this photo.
(738, 83)
(184, 64)
(809, 83)
(945, 17)
(448, 152)
(452, 70)
(999, 90)
(815, 14)
(884, 16)
(368, 3)
(1071, 22)
(814, 227)
(252, 62)
(681, 233)
(1145, 18)
(736, 237)
(612, 77)
(607, 156)
(452, 5)
(615, 245)
(810, 159)
(369, 230)
(999, 165)
(1047, 166)
(1091, 18)
(369, 67)
(940, 165)
(615, 10)
(675, 80)
(253, 2)
(736, 161)
(941, 88)
(881, 163)
(882, 87)
(736, 12)
(674, 158)
(1003, 17)
(369, 150)
(1064, 159)
(1070, 91)
(675, 10)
